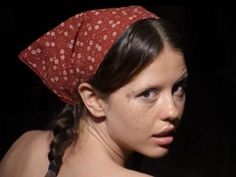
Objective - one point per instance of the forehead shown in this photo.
(168, 61)
(166, 68)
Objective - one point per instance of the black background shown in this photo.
(206, 141)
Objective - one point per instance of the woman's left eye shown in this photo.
(179, 89)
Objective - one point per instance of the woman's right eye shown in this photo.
(148, 95)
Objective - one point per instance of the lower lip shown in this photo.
(163, 141)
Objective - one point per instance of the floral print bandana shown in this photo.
(71, 53)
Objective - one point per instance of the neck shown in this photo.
(109, 147)
(94, 139)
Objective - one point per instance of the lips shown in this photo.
(164, 137)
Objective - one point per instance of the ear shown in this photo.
(91, 99)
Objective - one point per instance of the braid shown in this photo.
(65, 133)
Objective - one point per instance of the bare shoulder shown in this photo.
(137, 174)
(28, 151)
(131, 173)
(35, 141)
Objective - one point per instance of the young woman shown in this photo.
(122, 73)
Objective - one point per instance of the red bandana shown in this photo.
(71, 53)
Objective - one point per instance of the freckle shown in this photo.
(139, 121)
(140, 127)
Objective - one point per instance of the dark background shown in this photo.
(206, 141)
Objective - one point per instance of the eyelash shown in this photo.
(181, 85)
(145, 95)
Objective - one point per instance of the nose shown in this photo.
(169, 109)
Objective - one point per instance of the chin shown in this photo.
(157, 153)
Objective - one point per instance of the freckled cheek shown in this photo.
(133, 117)
(139, 120)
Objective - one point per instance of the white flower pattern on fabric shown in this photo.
(71, 52)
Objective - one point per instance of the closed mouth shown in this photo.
(165, 137)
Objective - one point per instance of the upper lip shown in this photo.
(167, 131)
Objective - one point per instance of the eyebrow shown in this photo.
(182, 78)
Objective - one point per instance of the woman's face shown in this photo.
(141, 116)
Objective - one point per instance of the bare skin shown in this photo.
(127, 121)
(28, 157)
